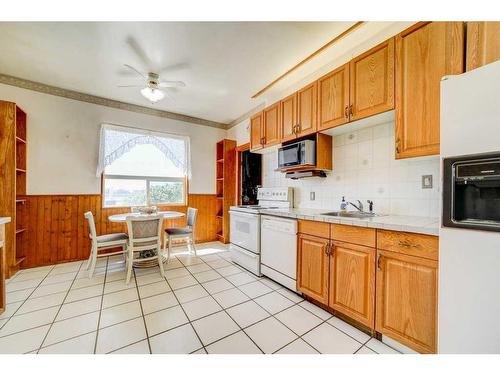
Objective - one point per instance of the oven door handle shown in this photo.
(243, 214)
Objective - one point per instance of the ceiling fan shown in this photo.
(152, 86)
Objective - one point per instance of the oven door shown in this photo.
(245, 230)
(290, 155)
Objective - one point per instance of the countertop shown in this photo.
(4, 220)
(413, 224)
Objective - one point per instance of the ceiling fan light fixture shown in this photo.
(152, 94)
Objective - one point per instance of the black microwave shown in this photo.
(297, 154)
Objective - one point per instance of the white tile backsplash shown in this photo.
(364, 168)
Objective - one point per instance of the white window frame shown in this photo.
(148, 179)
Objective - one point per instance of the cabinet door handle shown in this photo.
(332, 248)
(351, 112)
(379, 260)
(397, 146)
(327, 249)
(346, 111)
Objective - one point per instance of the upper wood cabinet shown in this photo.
(424, 54)
(333, 98)
(312, 267)
(406, 299)
(307, 110)
(483, 43)
(372, 81)
(352, 281)
(271, 125)
(256, 131)
(288, 111)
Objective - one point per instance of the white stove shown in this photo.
(245, 223)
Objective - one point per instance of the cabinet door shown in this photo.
(271, 125)
(483, 43)
(312, 267)
(407, 299)
(307, 109)
(372, 81)
(333, 98)
(256, 132)
(288, 117)
(352, 282)
(424, 54)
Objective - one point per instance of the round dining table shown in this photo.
(122, 218)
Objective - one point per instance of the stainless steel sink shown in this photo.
(354, 214)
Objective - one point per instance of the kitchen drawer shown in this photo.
(314, 228)
(420, 245)
(352, 234)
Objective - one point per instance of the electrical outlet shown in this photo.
(312, 195)
(427, 181)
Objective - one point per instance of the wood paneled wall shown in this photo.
(57, 231)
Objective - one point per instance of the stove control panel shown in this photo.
(284, 194)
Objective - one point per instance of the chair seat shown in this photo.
(112, 237)
(178, 231)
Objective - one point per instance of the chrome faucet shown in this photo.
(360, 206)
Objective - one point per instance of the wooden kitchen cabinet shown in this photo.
(333, 98)
(406, 299)
(256, 131)
(271, 125)
(307, 101)
(372, 81)
(483, 44)
(352, 281)
(288, 119)
(312, 267)
(425, 53)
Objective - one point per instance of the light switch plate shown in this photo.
(427, 181)
(312, 196)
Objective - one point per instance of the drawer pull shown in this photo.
(409, 244)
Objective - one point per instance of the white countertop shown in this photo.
(4, 220)
(413, 224)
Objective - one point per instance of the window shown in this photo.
(142, 168)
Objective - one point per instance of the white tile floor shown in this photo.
(204, 304)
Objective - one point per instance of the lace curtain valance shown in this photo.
(116, 140)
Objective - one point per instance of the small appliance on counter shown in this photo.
(245, 226)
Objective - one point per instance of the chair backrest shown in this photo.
(144, 232)
(90, 218)
(192, 213)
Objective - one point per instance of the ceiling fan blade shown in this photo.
(130, 86)
(135, 70)
(172, 84)
(141, 54)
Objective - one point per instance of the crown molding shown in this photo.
(87, 98)
(246, 115)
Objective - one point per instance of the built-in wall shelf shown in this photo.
(225, 176)
(13, 165)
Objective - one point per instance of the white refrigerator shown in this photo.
(469, 260)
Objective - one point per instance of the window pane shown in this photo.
(166, 192)
(145, 160)
(122, 192)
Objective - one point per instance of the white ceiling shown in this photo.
(223, 64)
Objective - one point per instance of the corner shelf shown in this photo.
(225, 177)
(20, 140)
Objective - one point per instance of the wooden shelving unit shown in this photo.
(225, 181)
(13, 143)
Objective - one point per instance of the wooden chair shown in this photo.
(103, 242)
(144, 234)
(186, 232)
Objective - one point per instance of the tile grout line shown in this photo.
(142, 313)
(100, 309)
(59, 309)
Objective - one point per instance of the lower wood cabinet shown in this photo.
(406, 299)
(352, 281)
(313, 267)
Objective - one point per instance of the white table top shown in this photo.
(4, 220)
(121, 218)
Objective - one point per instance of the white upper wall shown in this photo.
(63, 142)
